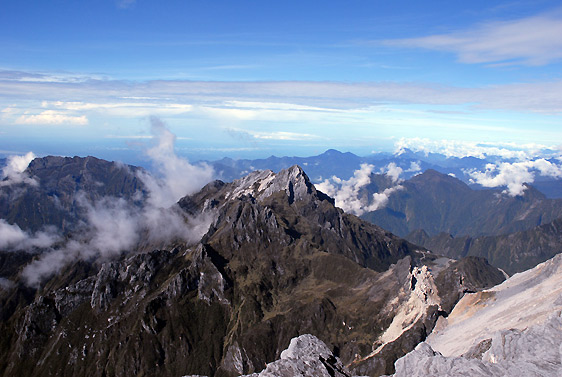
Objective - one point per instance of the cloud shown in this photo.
(266, 99)
(6, 284)
(14, 171)
(514, 175)
(393, 171)
(460, 149)
(176, 176)
(51, 117)
(282, 135)
(114, 226)
(414, 167)
(527, 41)
(380, 199)
(13, 238)
(348, 196)
(125, 4)
(141, 108)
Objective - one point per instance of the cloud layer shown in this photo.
(460, 149)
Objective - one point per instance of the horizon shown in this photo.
(251, 80)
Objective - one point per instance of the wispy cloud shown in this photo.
(124, 4)
(114, 225)
(248, 100)
(282, 135)
(527, 41)
(51, 117)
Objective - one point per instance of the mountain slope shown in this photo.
(513, 329)
(513, 252)
(438, 203)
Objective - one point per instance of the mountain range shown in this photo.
(343, 164)
(278, 259)
(223, 281)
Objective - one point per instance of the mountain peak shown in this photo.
(332, 152)
(434, 178)
(264, 183)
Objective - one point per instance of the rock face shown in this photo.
(278, 261)
(513, 329)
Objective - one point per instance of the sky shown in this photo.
(250, 79)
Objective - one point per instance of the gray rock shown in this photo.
(306, 356)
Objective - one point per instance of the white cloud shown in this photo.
(124, 4)
(13, 238)
(14, 171)
(51, 117)
(114, 225)
(514, 175)
(414, 167)
(346, 193)
(292, 100)
(527, 41)
(393, 171)
(457, 148)
(282, 135)
(141, 108)
(177, 177)
(380, 199)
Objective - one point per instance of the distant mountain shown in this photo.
(331, 162)
(279, 260)
(437, 202)
(513, 252)
(513, 329)
(342, 165)
(54, 199)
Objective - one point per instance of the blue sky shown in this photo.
(255, 78)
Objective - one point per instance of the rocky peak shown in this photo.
(264, 183)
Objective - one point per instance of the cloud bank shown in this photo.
(460, 149)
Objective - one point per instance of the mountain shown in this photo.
(342, 164)
(437, 202)
(513, 329)
(53, 200)
(515, 252)
(331, 162)
(277, 261)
